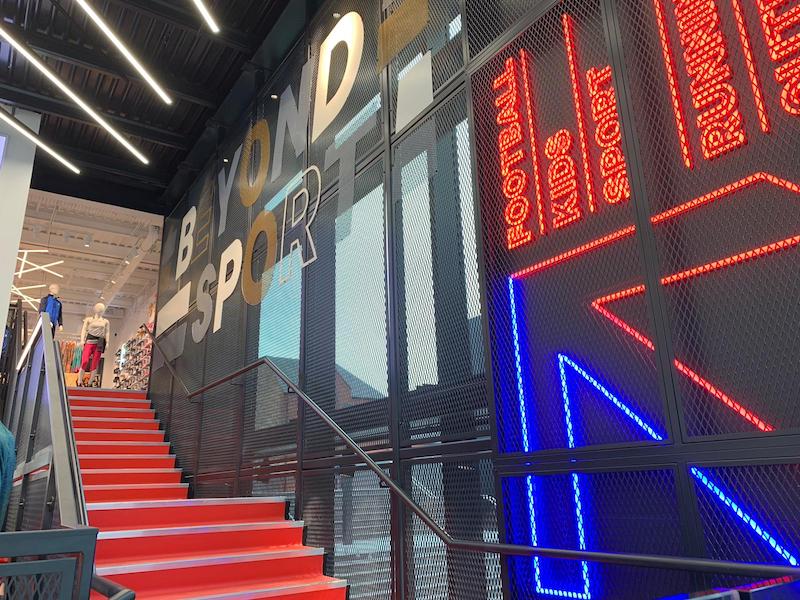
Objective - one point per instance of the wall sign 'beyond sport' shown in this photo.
(286, 224)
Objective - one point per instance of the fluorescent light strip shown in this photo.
(212, 24)
(98, 20)
(23, 130)
(34, 60)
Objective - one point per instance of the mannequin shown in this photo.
(51, 304)
(94, 334)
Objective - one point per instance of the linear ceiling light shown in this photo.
(212, 24)
(101, 24)
(34, 60)
(20, 127)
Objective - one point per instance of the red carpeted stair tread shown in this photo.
(317, 588)
(112, 412)
(117, 435)
(116, 516)
(108, 402)
(142, 491)
(130, 476)
(82, 392)
(123, 448)
(176, 543)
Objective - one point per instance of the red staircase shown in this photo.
(162, 545)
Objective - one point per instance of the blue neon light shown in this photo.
(564, 361)
(735, 508)
(523, 413)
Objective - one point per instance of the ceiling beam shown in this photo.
(101, 163)
(42, 103)
(170, 12)
(75, 54)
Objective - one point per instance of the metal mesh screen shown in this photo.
(41, 586)
(345, 335)
(347, 513)
(459, 495)
(724, 214)
(615, 511)
(440, 328)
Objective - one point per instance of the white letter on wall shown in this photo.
(350, 31)
(226, 284)
(186, 244)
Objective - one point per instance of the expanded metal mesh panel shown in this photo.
(35, 510)
(360, 120)
(345, 341)
(13, 508)
(555, 194)
(750, 513)
(459, 495)
(487, 20)
(260, 482)
(440, 327)
(722, 189)
(629, 512)
(40, 586)
(442, 36)
(348, 514)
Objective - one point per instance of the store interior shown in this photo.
(96, 254)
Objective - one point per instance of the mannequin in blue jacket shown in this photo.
(51, 304)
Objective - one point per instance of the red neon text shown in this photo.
(784, 48)
(705, 55)
(511, 154)
(607, 134)
(562, 178)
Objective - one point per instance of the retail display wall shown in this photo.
(539, 257)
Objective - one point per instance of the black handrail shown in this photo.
(635, 560)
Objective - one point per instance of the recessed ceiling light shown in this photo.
(88, 241)
(20, 127)
(212, 24)
(274, 96)
(225, 160)
(127, 262)
(113, 282)
(98, 20)
(32, 58)
(336, 15)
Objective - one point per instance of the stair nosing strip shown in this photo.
(333, 584)
(185, 502)
(120, 443)
(117, 420)
(134, 486)
(226, 559)
(124, 471)
(197, 529)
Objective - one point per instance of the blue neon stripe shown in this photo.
(523, 413)
(284, 191)
(563, 360)
(735, 508)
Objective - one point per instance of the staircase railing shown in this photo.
(48, 492)
(627, 559)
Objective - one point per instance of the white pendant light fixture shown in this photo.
(212, 24)
(22, 129)
(32, 58)
(123, 49)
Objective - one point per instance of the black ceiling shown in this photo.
(211, 78)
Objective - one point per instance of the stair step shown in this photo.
(130, 492)
(112, 412)
(116, 516)
(118, 435)
(259, 568)
(115, 423)
(311, 588)
(105, 393)
(177, 543)
(134, 461)
(75, 402)
(130, 476)
(124, 448)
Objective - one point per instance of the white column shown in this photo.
(16, 168)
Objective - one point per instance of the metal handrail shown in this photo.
(635, 560)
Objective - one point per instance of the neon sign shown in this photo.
(705, 55)
(568, 200)
(608, 135)
(511, 154)
(784, 48)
